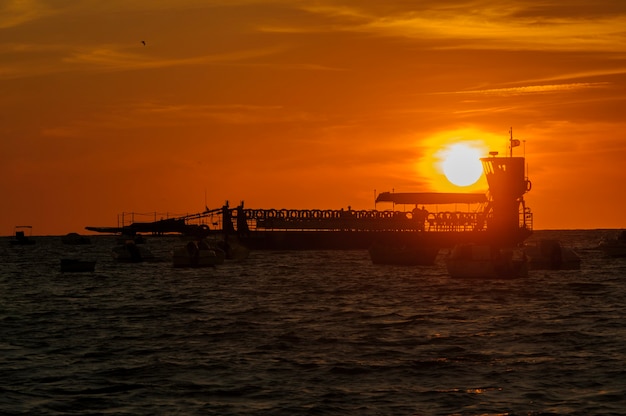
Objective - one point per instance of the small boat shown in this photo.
(402, 255)
(197, 254)
(21, 239)
(76, 265)
(232, 248)
(131, 252)
(136, 238)
(75, 239)
(614, 246)
(548, 254)
(483, 261)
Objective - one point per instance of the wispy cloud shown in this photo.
(590, 73)
(151, 115)
(46, 59)
(487, 25)
(16, 12)
(536, 89)
(228, 114)
(111, 58)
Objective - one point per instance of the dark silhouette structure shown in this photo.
(499, 217)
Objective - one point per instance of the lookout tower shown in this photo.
(508, 183)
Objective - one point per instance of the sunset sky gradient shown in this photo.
(303, 104)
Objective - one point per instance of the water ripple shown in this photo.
(319, 332)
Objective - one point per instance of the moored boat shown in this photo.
(131, 252)
(232, 248)
(20, 238)
(548, 254)
(483, 261)
(75, 239)
(136, 238)
(197, 254)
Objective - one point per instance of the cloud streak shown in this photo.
(151, 115)
(537, 89)
(17, 12)
(487, 25)
(49, 59)
(114, 59)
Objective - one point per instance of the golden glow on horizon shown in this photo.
(290, 105)
(461, 164)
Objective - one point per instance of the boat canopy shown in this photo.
(431, 198)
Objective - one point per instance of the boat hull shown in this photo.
(363, 239)
(130, 252)
(197, 254)
(485, 262)
(75, 239)
(549, 254)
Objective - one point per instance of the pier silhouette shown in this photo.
(498, 217)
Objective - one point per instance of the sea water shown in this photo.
(307, 332)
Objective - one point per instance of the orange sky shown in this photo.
(302, 104)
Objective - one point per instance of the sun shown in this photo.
(449, 161)
(461, 164)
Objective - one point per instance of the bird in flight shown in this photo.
(144, 42)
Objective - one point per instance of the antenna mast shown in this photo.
(514, 143)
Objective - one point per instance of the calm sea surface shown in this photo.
(320, 332)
